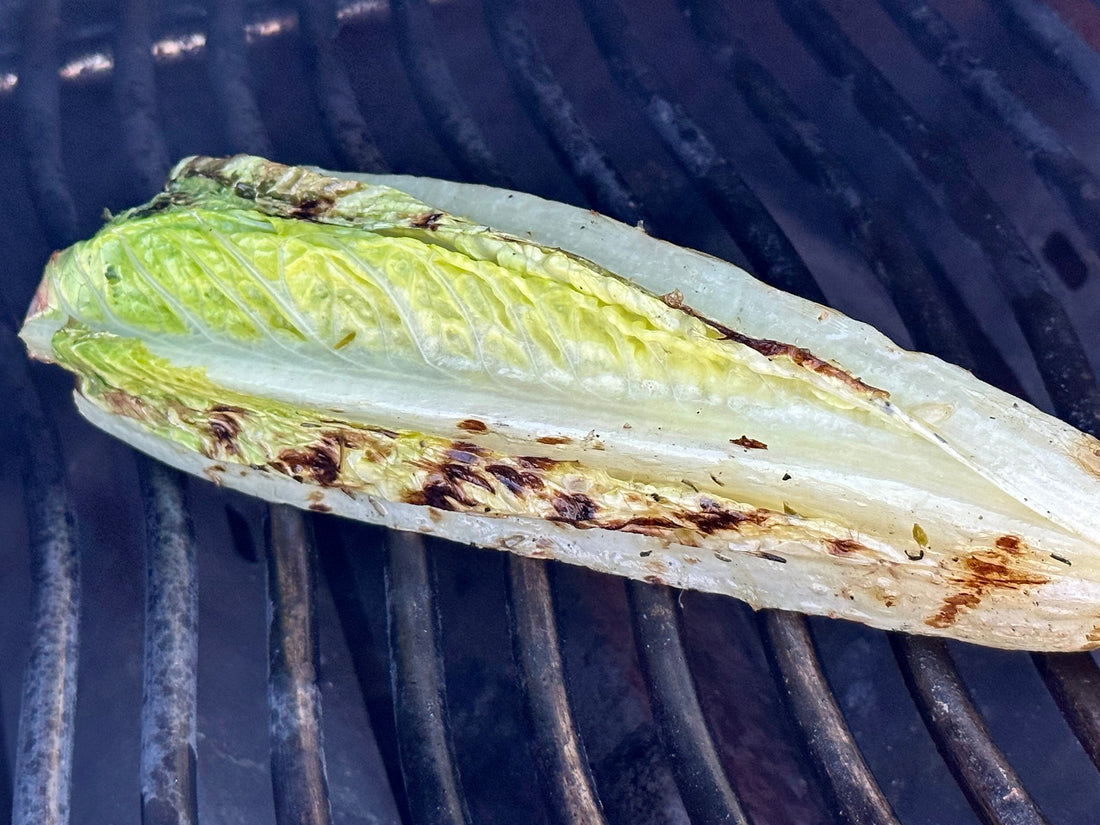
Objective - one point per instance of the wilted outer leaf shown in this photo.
(344, 346)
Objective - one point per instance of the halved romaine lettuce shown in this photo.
(340, 344)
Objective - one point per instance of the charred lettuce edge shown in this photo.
(830, 586)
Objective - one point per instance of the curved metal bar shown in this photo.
(354, 575)
(1055, 40)
(767, 248)
(297, 744)
(38, 102)
(1058, 351)
(985, 776)
(136, 98)
(227, 63)
(1073, 679)
(344, 124)
(438, 95)
(41, 788)
(44, 739)
(562, 765)
(546, 104)
(704, 788)
(830, 742)
(169, 793)
(931, 310)
(432, 784)
(1057, 165)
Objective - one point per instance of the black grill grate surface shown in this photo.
(928, 167)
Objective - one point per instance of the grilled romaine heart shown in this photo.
(565, 386)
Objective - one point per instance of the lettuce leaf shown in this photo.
(340, 344)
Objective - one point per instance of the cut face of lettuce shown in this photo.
(564, 386)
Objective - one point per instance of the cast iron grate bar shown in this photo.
(1073, 679)
(297, 758)
(44, 739)
(562, 764)
(704, 788)
(432, 784)
(937, 40)
(39, 109)
(136, 96)
(758, 235)
(227, 63)
(1059, 354)
(294, 698)
(929, 307)
(169, 792)
(545, 102)
(349, 567)
(344, 124)
(985, 776)
(41, 790)
(835, 753)
(438, 95)
(1058, 44)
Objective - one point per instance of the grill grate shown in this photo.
(828, 738)
(990, 783)
(169, 793)
(704, 789)
(1018, 273)
(419, 692)
(550, 108)
(491, 688)
(294, 699)
(562, 767)
(43, 760)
